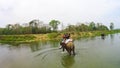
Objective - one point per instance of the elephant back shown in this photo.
(70, 44)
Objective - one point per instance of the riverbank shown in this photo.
(75, 35)
(51, 36)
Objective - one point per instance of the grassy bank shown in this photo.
(51, 36)
(75, 35)
(16, 38)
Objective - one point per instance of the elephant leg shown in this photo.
(73, 50)
(63, 49)
(69, 51)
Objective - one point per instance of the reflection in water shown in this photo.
(54, 43)
(67, 61)
(111, 36)
(40, 45)
(35, 46)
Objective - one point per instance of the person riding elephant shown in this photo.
(68, 39)
(65, 39)
(67, 43)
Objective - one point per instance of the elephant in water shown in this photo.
(70, 48)
(103, 36)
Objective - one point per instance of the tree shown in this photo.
(70, 28)
(34, 26)
(92, 26)
(9, 26)
(17, 28)
(84, 27)
(103, 27)
(8, 29)
(111, 25)
(54, 24)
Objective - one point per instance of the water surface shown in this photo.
(90, 53)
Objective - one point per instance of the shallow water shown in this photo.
(90, 53)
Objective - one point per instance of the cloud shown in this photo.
(67, 11)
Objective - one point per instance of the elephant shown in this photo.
(69, 47)
(103, 36)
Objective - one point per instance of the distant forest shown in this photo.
(38, 27)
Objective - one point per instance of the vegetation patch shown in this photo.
(53, 35)
(14, 38)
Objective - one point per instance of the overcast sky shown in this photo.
(66, 11)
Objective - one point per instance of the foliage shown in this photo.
(24, 33)
(53, 35)
(84, 27)
(111, 25)
(92, 26)
(38, 27)
(54, 24)
(33, 27)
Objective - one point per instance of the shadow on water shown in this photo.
(67, 61)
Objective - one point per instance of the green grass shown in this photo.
(14, 38)
(51, 36)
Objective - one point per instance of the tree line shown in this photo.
(38, 27)
(89, 27)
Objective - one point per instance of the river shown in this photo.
(93, 52)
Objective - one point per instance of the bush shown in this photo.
(53, 35)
